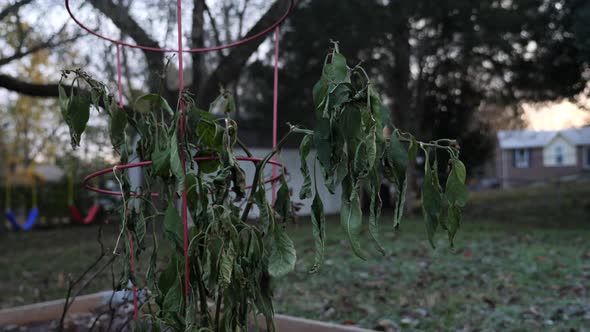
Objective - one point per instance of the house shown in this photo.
(23, 176)
(526, 156)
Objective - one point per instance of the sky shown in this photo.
(555, 116)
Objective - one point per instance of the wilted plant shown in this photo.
(232, 259)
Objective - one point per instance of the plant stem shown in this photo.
(244, 147)
(201, 290)
(260, 166)
(218, 309)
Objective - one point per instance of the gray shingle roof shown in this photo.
(517, 139)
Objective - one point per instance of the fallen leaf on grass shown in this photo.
(409, 321)
(387, 325)
(491, 303)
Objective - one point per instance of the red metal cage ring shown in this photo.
(193, 50)
(149, 162)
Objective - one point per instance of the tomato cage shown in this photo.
(180, 50)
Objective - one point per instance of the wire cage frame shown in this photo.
(275, 164)
(242, 41)
(86, 181)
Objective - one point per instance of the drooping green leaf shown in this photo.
(340, 95)
(397, 156)
(380, 112)
(397, 159)
(161, 162)
(456, 190)
(283, 201)
(453, 222)
(63, 100)
(239, 180)
(167, 277)
(431, 200)
(208, 161)
(147, 102)
(117, 127)
(212, 260)
(282, 254)
(226, 266)
(151, 269)
(336, 71)
(304, 149)
(351, 124)
(351, 217)
(173, 226)
(176, 164)
(361, 163)
(210, 134)
(322, 142)
(77, 117)
(139, 228)
(318, 221)
(173, 300)
(371, 143)
(320, 91)
(224, 103)
(266, 214)
(375, 207)
(192, 195)
(338, 172)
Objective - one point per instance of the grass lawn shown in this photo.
(504, 275)
(500, 277)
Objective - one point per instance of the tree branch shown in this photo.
(197, 40)
(29, 89)
(214, 27)
(120, 16)
(229, 67)
(13, 8)
(37, 90)
(36, 48)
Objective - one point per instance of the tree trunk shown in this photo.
(197, 41)
(400, 88)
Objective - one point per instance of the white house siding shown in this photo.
(290, 158)
(567, 149)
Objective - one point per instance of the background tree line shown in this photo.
(454, 68)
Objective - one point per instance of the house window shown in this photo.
(522, 158)
(558, 155)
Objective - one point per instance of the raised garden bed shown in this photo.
(82, 316)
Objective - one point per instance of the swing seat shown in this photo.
(77, 216)
(31, 220)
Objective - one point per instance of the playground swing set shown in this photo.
(33, 214)
(28, 177)
(75, 213)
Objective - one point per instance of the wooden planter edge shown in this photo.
(51, 310)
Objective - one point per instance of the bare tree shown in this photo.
(206, 82)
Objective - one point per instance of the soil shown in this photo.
(103, 319)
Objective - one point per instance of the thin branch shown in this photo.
(13, 8)
(46, 140)
(49, 43)
(241, 14)
(72, 284)
(214, 27)
(121, 17)
(230, 66)
(40, 90)
(260, 167)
